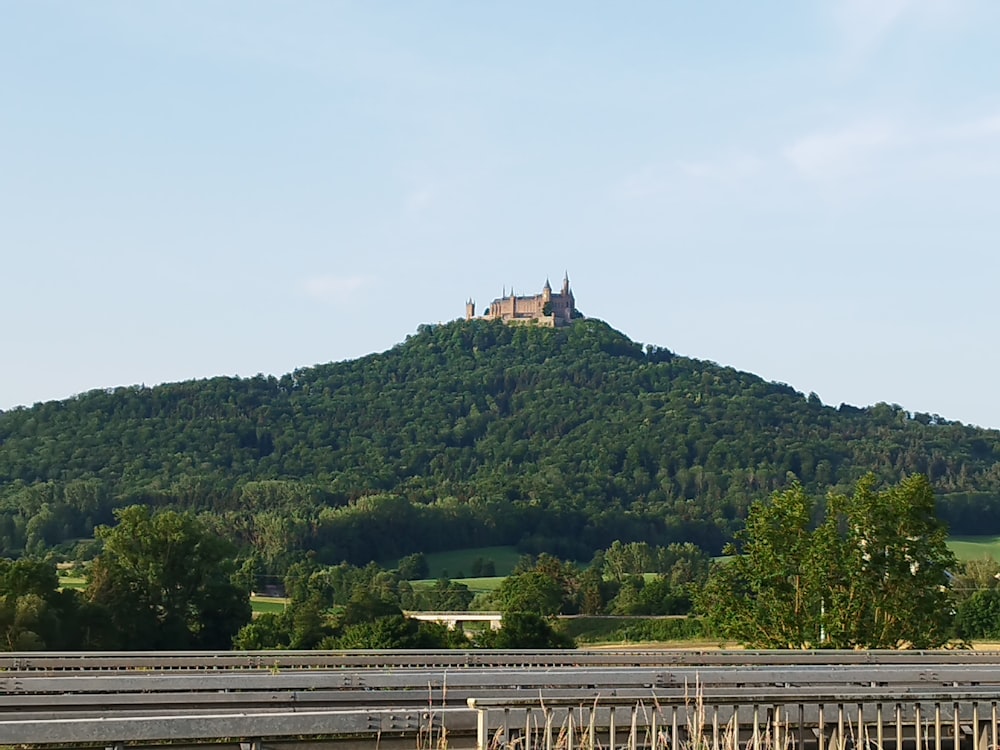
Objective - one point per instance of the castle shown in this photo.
(545, 309)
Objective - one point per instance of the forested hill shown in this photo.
(468, 433)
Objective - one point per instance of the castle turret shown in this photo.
(548, 308)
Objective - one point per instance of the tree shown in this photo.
(623, 560)
(892, 579)
(168, 583)
(871, 574)
(34, 614)
(445, 596)
(530, 592)
(414, 567)
(978, 616)
(525, 630)
(396, 631)
(367, 606)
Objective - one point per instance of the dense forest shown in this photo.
(469, 433)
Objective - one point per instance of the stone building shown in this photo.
(546, 309)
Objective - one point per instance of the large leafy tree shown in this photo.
(167, 582)
(870, 571)
(532, 591)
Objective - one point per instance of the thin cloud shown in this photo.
(333, 288)
(838, 153)
(866, 25)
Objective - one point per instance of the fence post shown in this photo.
(482, 724)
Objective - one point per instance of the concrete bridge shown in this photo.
(456, 620)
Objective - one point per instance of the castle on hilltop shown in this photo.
(545, 309)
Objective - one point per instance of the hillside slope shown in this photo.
(469, 433)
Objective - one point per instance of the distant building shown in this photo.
(545, 309)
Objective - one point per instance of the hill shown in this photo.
(471, 433)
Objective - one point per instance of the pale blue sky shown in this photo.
(807, 190)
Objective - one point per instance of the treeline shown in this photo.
(167, 581)
(470, 433)
(868, 570)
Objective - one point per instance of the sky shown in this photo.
(805, 190)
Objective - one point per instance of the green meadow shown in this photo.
(262, 604)
(975, 547)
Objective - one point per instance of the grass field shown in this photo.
(975, 547)
(261, 604)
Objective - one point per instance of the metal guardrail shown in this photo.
(428, 681)
(940, 700)
(239, 660)
(250, 727)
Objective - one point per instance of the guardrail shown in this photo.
(250, 728)
(239, 660)
(808, 700)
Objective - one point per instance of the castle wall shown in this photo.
(513, 309)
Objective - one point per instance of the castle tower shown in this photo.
(546, 309)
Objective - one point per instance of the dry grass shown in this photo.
(652, 727)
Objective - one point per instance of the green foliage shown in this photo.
(532, 591)
(871, 574)
(637, 596)
(482, 568)
(470, 434)
(444, 596)
(481, 585)
(398, 632)
(524, 630)
(974, 575)
(633, 629)
(414, 567)
(166, 582)
(34, 614)
(445, 564)
(366, 606)
(978, 616)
